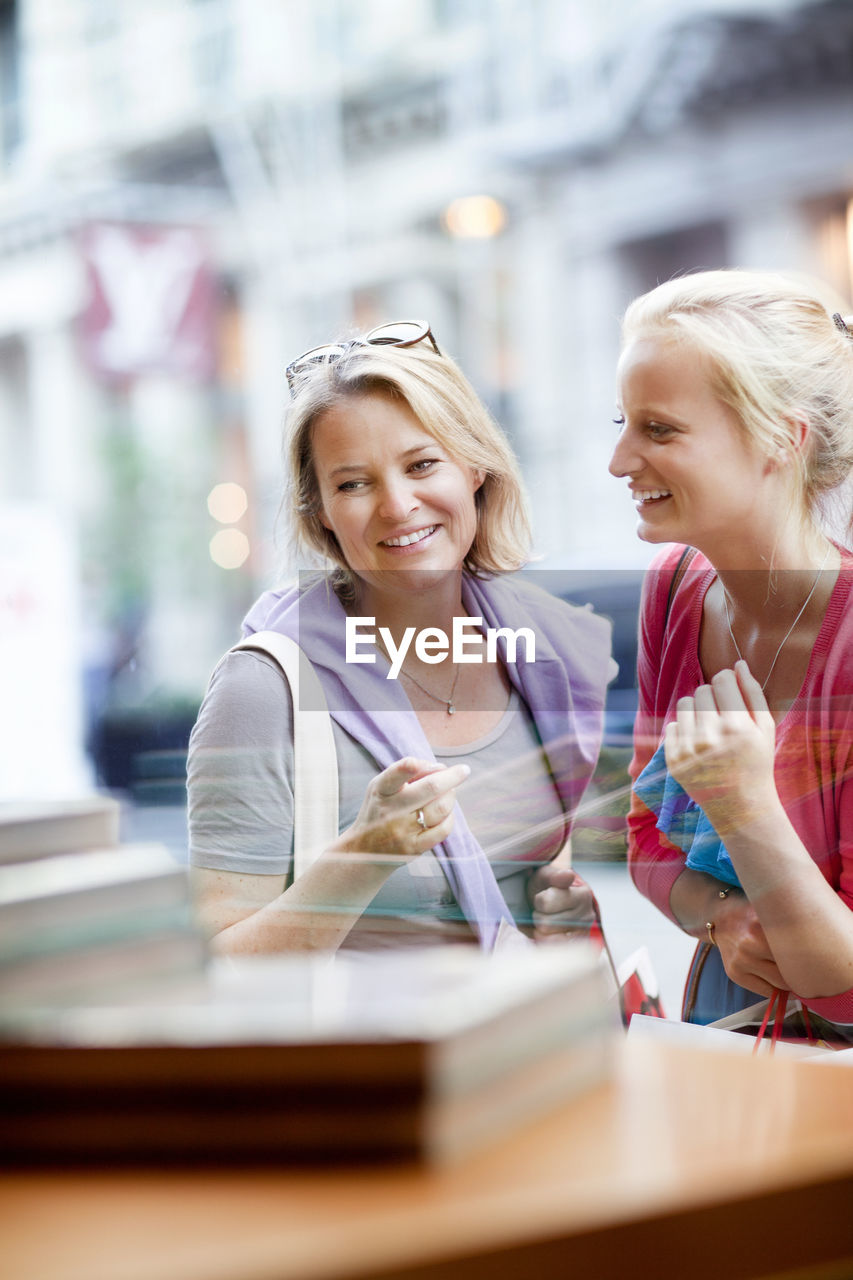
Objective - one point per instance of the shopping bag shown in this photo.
(707, 1036)
(639, 991)
(787, 1020)
(793, 1031)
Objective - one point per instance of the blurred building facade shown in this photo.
(193, 191)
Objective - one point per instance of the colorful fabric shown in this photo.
(683, 821)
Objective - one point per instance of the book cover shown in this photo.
(39, 829)
(74, 900)
(95, 927)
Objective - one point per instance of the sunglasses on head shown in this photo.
(400, 333)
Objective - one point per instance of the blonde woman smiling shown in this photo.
(736, 396)
(458, 780)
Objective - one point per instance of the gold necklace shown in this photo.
(790, 629)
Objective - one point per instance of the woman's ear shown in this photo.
(801, 431)
(784, 454)
(323, 518)
(479, 476)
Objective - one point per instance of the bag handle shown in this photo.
(680, 569)
(315, 762)
(776, 1007)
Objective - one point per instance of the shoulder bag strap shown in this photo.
(683, 562)
(704, 949)
(315, 764)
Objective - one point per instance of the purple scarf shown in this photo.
(564, 689)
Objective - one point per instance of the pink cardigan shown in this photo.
(814, 741)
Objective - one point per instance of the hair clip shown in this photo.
(841, 324)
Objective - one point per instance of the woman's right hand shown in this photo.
(388, 821)
(744, 949)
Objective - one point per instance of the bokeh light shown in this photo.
(475, 217)
(227, 502)
(229, 548)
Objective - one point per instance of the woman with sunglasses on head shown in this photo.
(407, 490)
(736, 402)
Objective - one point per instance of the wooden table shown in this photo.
(686, 1164)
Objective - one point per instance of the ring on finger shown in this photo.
(421, 820)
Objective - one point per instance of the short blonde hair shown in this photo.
(776, 355)
(447, 407)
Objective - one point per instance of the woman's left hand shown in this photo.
(720, 748)
(561, 901)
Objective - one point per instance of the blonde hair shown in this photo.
(447, 407)
(777, 357)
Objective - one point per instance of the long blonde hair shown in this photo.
(447, 407)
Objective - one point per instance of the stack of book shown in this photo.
(84, 919)
(426, 1054)
(40, 829)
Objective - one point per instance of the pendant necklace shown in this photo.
(446, 702)
(790, 629)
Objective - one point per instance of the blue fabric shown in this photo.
(564, 689)
(682, 821)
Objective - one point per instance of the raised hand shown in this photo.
(720, 749)
(407, 809)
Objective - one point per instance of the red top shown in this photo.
(814, 740)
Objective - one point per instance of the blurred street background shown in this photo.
(194, 191)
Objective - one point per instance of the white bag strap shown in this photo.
(315, 763)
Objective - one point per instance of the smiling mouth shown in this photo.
(408, 539)
(650, 495)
